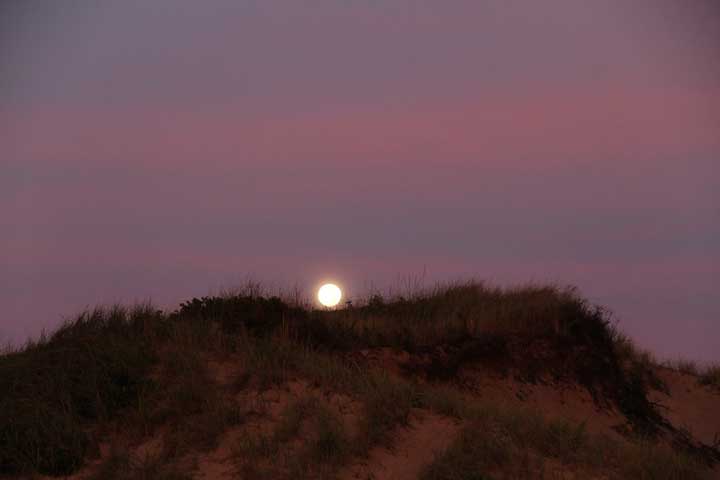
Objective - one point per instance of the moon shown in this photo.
(329, 295)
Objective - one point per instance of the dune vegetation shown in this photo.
(140, 393)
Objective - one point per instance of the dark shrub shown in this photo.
(52, 390)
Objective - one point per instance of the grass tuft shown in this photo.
(90, 368)
(326, 448)
(710, 376)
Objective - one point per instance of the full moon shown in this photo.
(329, 295)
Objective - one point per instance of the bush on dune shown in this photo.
(87, 370)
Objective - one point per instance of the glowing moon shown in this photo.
(329, 295)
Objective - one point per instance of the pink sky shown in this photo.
(168, 149)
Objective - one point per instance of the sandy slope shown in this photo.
(689, 405)
(413, 447)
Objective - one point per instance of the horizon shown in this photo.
(166, 151)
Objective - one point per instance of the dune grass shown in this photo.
(513, 443)
(444, 314)
(326, 447)
(710, 376)
(84, 373)
(122, 465)
(496, 438)
(142, 370)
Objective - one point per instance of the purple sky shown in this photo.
(167, 149)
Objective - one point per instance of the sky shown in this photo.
(169, 149)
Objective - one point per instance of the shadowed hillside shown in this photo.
(461, 382)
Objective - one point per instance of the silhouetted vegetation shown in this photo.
(85, 372)
(711, 377)
(516, 442)
(141, 370)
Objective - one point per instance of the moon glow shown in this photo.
(329, 295)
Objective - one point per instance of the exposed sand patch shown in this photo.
(414, 447)
(690, 406)
(225, 371)
(556, 401)
(218, 465)
(264, 410)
